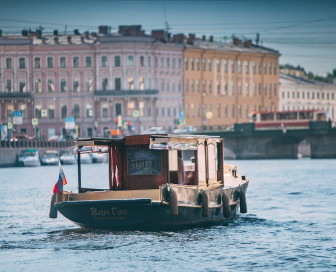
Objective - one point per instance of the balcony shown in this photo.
(123, 93)
(15, 95)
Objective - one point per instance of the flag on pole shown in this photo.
(58, 187)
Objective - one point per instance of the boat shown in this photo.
(99, 157)
(49, 157)
(29, 157)
(68, 157)
(154, 183)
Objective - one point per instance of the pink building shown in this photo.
(93, 78)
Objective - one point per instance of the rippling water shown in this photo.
(290, 226)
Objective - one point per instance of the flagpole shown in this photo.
(79, 174)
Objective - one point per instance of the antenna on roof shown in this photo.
(166, 23)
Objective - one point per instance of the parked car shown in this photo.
(49, 157)
(154, 130)
(55, 138)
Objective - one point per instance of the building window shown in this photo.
(156, 62)
(75, 85)
(22, 63)
(209, 64)
(88, 61)
(105, 84)
(162, 85)
(162, 62)
(163, 112)
(247, 67)
(142, 61)
(210, 86)
(62, 62)
(37, 63)
(130, 61)
(254, 68)
(186, 64)
(105, 110)
(218, 65)
(174, 63)
(89, 84)
(75, 62)
(203, 64)
(274, 68)
(118, 109)
(130, 83)
(63, 85)
(50, 62)
(225, 65)
(239, 66)
(117, 61)
(168, 62)
(193, 85)
(259, 68)
(9, 64)
(38, 85)
(218, 110)
(64, 111)
(51, 112)
(180, 63)
(141, 83)
(187, 85)
(38, 111)
(192, 64)
(233, 113)
(130, 108)
(265, 68)
(51, 86)
(22, 87)
(232, 66)
(76, 111)
(89, 111)
(117, 83)
(226, 110)
(149, 61)
(270, 68)
(104, 61)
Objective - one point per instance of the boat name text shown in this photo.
(114, 211)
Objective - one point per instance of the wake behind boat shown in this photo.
(155, 182)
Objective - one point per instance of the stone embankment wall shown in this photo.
(9, 151)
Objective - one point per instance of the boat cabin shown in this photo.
(150, 161)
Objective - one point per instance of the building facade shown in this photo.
(225, 82)
(89, 84)
(297, 93)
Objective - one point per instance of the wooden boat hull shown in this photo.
(148, 214)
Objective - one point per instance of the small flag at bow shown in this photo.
(61, 180)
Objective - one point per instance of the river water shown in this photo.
(290, 226)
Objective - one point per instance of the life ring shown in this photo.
(226, 206)
(242, 200)
(53, 209)
(205, 204)
(173, 202)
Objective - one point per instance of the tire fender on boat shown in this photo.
(173, 202)
(205, 204)
(242, 200)
(53, 209)
(226, 206)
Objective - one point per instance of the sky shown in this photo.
(303, 31)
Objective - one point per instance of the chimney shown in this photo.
(93, 34)
(76, 31)
(178, 38)
(203, 38)
(158, 34)
(38, 33)
(248, 43)
(56, 40)
(86, 34)
(24, 33)
(257, 38)
(82, 39)
(211, 38)
(191, 38)
(104, 29)
(55, 32)
(236, 41)
(69, 39)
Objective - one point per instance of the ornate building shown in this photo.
(225, 82)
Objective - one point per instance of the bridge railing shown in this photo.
(35, 144)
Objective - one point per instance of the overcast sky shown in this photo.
(304, 31)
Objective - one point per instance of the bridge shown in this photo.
(245, 142)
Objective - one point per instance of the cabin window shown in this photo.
(143, 162)
(201, 164)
